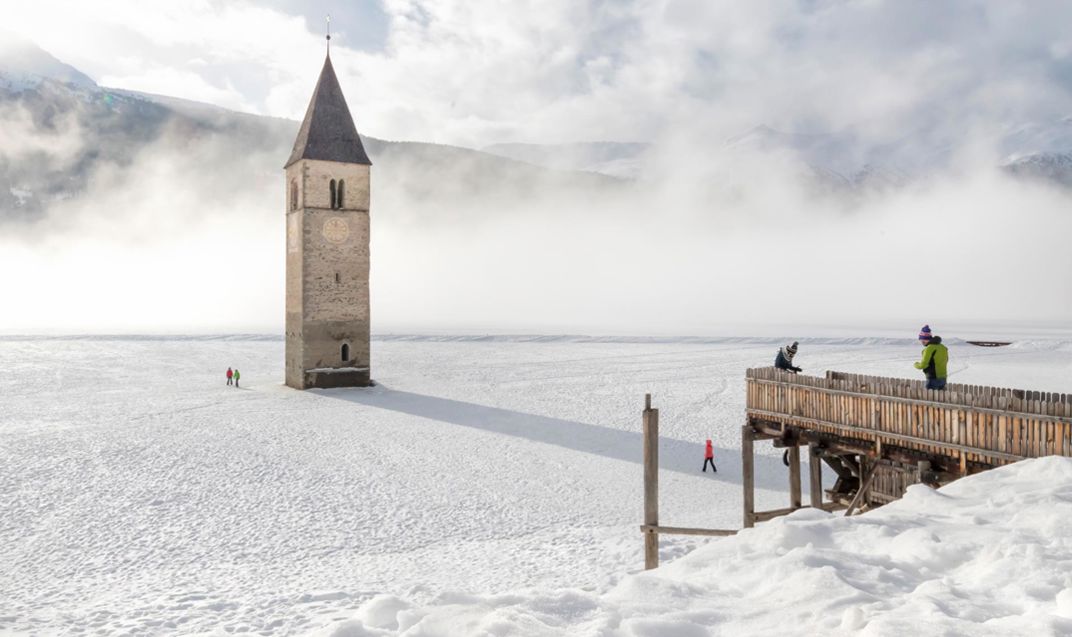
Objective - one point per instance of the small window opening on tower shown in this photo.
(339, 194)
(338, 279)
(333, 206)
(345, 352)
(293, 194)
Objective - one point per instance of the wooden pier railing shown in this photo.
(883, 434)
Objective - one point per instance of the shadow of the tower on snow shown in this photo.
(674, 455)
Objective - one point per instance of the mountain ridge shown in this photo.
(62, 128)
(65, 129)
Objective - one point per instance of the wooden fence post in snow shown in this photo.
(651, 484)
(748, 476)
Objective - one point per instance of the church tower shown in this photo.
(327, 246)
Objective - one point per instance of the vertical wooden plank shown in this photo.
(939, 422)
(651, 483)
(857, 407)
(850, 409)
(1011, 427)
(1036, 430)
(1018, 435)
(748, 476)
(889, 416)
(988, 431)
(1065, 428)
(1040, 435)
(851, 404)
(889, 420)
(1033, 432)
(950, 420)
(906, 413)
(911, 416)
(971, 432)
(1053, 428)
(1029, 447)
(1002, 425)
(1044, 432)
(794, 477)
(815, 476)
(947, 425)
(1026, 424)
(901, 415)
(928, 422)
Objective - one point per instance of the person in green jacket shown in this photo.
(935, 359)
(237, 376)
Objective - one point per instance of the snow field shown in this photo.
(988, 555)
(140, 495)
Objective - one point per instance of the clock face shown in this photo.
(336, 230)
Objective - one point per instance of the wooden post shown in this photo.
(748, 476)
(861, 491)
(651, 483)
(815, 476)
(794, 477)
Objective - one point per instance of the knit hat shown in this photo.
(925, 333)
(791, 349)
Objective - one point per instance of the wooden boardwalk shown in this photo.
(881, 435)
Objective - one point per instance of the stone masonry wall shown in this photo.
(327, 270)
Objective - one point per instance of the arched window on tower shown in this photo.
(339, 194)
(346, 352)
(293, 194)
(333, 206)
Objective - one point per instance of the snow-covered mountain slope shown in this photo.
(1035, 138)
(485, 487)
(61, 135)
(23, 65)
(1052, 167)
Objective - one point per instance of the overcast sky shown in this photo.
(474, 72)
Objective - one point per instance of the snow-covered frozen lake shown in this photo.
(139, 494)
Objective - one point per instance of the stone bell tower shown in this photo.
(327, 246)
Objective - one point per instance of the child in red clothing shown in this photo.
(709, 456)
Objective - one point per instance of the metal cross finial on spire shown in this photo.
(329, 33)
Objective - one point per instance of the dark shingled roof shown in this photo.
(328, 132)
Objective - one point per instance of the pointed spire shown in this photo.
(328, 133)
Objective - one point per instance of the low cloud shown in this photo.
(55, 143)
(713, 237)
(192, 242)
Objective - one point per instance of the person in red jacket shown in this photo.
(230, 375)
(709, 456)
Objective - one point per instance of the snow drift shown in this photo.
(987, 555)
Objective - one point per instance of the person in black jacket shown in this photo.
(784, 359)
